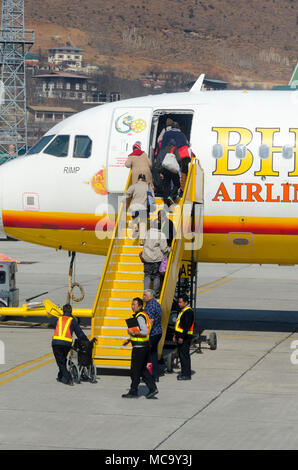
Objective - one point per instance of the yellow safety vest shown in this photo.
(146, 338)
(62, 331)
(178, 327)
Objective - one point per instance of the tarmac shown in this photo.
(244, 395)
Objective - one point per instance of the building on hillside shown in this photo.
(42, 113)
(62, 85)
(32, 62)
(115, 96)
(69, 86)
(49, 67)
(66, 55)
(149, 81)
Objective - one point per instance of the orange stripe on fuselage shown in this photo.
(55, 220)
(211, 224)
(255, 225)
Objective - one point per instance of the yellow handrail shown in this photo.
(168, 288)
(182, 202)
(110, 250)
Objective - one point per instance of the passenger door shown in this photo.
(129, 125)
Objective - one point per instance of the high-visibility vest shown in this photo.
(145, 339)
(62, 331)
(178, 327)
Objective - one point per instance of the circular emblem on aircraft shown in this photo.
(126, 124)
(139, 125)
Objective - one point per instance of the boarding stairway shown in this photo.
(123, 276)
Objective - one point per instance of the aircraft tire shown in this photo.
(212, 341)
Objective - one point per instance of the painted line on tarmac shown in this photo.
(224, 390)
(212, 285)
(255, 337)
(13, 374)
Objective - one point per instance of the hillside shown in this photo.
(242, 42)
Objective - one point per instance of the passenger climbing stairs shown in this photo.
(123, 277)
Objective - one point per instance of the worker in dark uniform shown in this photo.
(183, 336)
(62, 341)
(140, 352)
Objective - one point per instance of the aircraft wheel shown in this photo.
(212, 341)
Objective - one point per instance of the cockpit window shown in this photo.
(37, 148)
(59, 146)
(82, 146)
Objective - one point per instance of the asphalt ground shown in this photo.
(241, 396)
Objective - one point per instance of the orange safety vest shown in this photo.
(146, 338)
(178, 327)
(62, 330)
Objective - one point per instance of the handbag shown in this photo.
(163, 265)
(151, 206)
(170, 163)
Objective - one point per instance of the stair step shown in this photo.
(129, 258)
(113, 321)
(128, 275)
(123, 284)
(109, 341)
(112, 312)
(119, 303)
(113, 353)
(110, 331)
(111, 363)
(124, 293)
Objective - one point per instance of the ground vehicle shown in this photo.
(9, 294)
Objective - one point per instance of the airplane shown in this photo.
(242, 190)
(68, 184)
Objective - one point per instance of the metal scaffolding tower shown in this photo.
(15, 43)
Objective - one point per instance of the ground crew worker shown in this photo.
(183, 336)
(140, 352)
(62, 341)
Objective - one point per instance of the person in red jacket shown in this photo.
(62, 341)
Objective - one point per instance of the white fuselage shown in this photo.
(58, 200)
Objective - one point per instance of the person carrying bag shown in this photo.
(170, 173)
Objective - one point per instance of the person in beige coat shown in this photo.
(139, 162)
(137, 193)
(155, 248)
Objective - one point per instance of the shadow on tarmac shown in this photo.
(246, 320)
